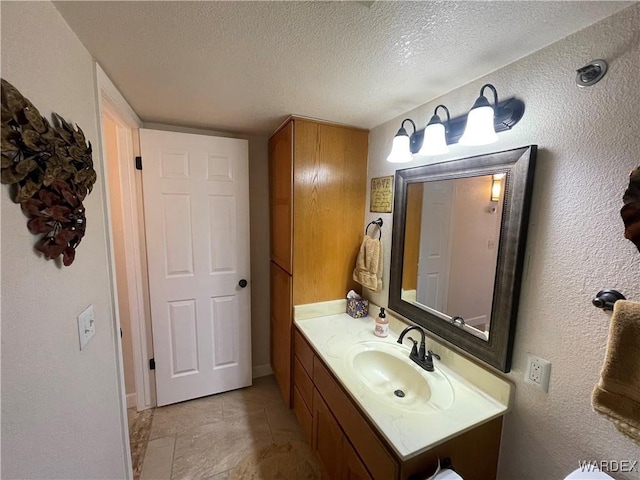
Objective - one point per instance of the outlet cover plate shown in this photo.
(538, 372)
(86, 326)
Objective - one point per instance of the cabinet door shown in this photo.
(327, 438)
(281, 329)
(330, 172)
(352, 466)
(303, 415)
(281, 195)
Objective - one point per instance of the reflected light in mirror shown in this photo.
(496, 186)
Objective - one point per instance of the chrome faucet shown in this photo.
(421, 356)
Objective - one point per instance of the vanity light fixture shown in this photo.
(435, 135)
(401, 148)
(480, 128)
(500, 116)
(496, 186)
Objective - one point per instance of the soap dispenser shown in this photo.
(382, 324)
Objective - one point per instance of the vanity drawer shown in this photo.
(303, 382)
(303, 351)
(378, 460)
(303, 414)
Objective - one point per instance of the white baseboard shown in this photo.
(131, 400)
(262, 370)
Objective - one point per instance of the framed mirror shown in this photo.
(459, 232)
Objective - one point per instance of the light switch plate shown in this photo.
(86, 326)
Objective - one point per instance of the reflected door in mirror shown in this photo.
(451, 248)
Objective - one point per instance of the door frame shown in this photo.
(112, 103)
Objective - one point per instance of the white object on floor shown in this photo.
(578, 474)
(447, 474)
(444, 474)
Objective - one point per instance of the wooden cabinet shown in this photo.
(303, 414)
(281, 197)
(350, 447)
(379, 460)
(352, 466)
(327, 438)
(281, 308)
(317, 190)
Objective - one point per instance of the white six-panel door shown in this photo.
(196, 204)
(435, 245)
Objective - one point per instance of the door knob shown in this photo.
(243, 283)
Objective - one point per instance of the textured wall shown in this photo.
(588, 140)
(60, 406)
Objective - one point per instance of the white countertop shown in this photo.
(409, 432)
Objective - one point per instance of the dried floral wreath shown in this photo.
(51, 172)
(630, 212)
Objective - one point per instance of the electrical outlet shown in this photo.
(538, 372)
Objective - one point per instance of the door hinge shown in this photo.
(138, 163)
(152, 364)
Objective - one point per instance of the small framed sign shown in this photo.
(381, 194)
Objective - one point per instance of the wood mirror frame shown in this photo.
(519, 165)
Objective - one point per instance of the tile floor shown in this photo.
(207, 437)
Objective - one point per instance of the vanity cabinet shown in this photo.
(317, 191)
(349, 446)
(352, 466)
(327, 437)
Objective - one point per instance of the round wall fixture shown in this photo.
(591, 73)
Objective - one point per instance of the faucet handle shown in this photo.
(434, 354)
(414, 349)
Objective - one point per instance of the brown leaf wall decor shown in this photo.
(630, 212)
(50, 169)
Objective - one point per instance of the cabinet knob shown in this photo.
(243, 283)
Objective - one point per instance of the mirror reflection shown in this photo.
(465, 243)
(451, 245)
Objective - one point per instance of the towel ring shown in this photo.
(377, 222)
(606, 298)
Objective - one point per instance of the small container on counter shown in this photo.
(382, 324)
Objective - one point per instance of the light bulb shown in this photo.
(400, 150)
(435, 142)
(480, 129)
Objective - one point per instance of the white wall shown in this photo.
(473, 260)
(589, 143)
(60, 406)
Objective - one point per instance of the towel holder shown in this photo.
(606, 298)
(377, 222)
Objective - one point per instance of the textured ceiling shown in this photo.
(243, 66)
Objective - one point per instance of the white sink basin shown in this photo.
(386, 371)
